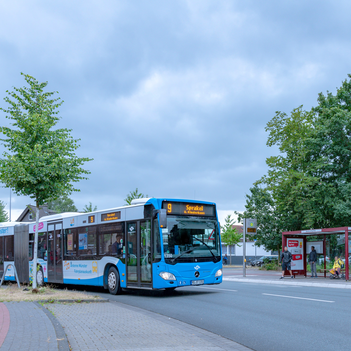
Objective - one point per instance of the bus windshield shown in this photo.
(189, 239)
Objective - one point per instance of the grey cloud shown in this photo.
(173, 97)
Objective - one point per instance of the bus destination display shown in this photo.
(112, 216)
(188, 209)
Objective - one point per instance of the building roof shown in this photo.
(43, 211)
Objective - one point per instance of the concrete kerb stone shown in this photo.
(48, 301)
(61, 337)
(288, 282)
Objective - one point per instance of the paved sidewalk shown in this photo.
(273, 278)
(115, 326)
(26, 326)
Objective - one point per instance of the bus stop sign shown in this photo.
(251, 226)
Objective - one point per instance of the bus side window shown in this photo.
(42, 246)
(87, 241)
(92, 241)
(71, 243)
(30, 247)
(1, 251)
(105, 244)
(9, 245)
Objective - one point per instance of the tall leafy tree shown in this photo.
(40, 162)
(3, 214)
(308, 185)
(134, 195)
(270, 223)
(229, 234)
(62, 204)
(89, 208)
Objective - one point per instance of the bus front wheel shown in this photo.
(113, 281)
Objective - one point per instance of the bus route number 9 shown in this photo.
(169, 208)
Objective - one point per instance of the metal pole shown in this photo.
(346, 254)
(324, 253)
(10, 207)
(244, 249)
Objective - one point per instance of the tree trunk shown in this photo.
(35, 254)
(230, 256)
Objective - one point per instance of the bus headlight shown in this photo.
(219, 273)
(167, 276)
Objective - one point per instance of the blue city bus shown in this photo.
(151, 244)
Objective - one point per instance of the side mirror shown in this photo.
(162, 215)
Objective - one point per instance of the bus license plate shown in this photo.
(197, 282)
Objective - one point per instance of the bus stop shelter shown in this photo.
(296, 241)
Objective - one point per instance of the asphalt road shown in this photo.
(259, 316)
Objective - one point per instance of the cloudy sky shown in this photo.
(173, 97)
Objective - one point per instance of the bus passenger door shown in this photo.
(139, 254)
(145, 253)
(132, 254)
(54, 257)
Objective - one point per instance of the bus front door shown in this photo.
(138, 250)
(54, 258)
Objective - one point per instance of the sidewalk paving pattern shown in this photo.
(109, 326)
(28, 328)
(115, 326)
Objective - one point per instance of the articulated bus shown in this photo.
(151, 244)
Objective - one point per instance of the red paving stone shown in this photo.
(4, 322)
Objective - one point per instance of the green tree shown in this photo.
(229, 234)
(270, 224)
(3, 214)
(62, 204)
(134, 195)
(89, 208)
(308, 185)
(39, 162)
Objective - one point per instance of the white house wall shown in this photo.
(250, 250)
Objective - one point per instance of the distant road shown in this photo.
(262, 317)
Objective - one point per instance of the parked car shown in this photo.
(260, 261)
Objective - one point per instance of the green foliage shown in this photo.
(134, 195)
(89, 208)
(260, 204)
(270, 266)
(3, 214)
(229, 234)
(39, 162)
(62, 204)
(308, 185)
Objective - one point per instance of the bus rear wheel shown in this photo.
(40, 277)
(114, 287)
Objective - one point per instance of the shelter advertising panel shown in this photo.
(295, 246)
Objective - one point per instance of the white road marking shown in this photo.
(299, 298)
(205, 287)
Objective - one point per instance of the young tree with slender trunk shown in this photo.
(134, 195)
(229, 234)
(3, 214)
(40, 162)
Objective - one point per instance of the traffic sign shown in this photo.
(251, 225)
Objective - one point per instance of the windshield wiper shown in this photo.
(185, 252)
(214, 257)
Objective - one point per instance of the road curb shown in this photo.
(288, 282)
(50, 301)
(61, 337)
